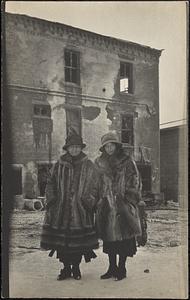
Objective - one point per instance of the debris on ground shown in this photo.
(174, 243)
(163, 229)
(33, 204)
(163, 221)
(146, 271)
(171, 203)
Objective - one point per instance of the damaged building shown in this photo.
(61, 78)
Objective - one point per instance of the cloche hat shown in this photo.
(110, 137)
(73, 139)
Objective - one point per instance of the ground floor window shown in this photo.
(127, 134)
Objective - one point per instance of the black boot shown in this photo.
(76, 272)
(112, 270)
(76, 260)
(65, 273)
(121, 272)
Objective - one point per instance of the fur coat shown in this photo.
(71, 194)
(117, 216)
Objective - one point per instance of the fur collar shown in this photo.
(67, 158)
(111, 164)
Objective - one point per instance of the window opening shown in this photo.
(126, 77)
(72, 66)
(42, 126)
(42, 110)
(127, 129)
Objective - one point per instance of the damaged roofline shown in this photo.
(108, 39)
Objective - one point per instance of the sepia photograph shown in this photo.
(95, 149)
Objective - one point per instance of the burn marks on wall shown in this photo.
(90, 112)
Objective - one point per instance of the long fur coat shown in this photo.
(117, 216)
(71, 194)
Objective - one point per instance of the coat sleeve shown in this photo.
(51, 186)
(132, 183)
(91, 193)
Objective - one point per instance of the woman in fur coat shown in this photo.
(117, 217)
(71, 194)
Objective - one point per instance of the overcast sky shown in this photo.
(160, 25)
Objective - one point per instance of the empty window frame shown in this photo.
(72, 66)
(127, 135)
(126, 77)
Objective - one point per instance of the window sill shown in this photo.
(126, 94)
(41, 117)
(68, 83)
(71, 87)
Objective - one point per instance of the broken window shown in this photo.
(126, 77)
(73, 121)
(72, 66)
(127, 129)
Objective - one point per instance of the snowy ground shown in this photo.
(33, 274)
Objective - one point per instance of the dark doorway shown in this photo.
(43, 172)
(145, 172)
(17, 180)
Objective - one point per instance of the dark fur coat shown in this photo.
(117, 215)
(71, 194)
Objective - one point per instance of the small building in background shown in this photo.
(62, 79)
(173, 163)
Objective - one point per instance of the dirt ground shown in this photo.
(33, 274)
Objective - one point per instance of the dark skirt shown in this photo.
(126, 247)
(70, 257)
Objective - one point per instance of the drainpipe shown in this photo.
(50, 148)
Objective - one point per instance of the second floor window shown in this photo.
(72, 66)
(126, 77)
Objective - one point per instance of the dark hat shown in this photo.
(74, 139)
(109, 137)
